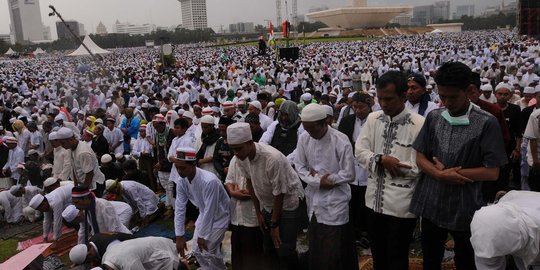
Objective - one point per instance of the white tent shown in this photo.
(10, 52)
(436, 31)
(95, 49)
(39, 51)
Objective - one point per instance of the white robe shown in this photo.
(12, 207)
(141, 199)
(147, 253)
(58, 200)
(107, 220)
(62, 168)
(15, 157)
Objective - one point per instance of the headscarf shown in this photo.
(230, 95)
(173, 116)
(92, 123)
(291, 109)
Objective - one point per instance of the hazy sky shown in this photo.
(168, 13)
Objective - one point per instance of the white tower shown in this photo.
(278, 12)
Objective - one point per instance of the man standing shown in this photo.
(457, 149)
(324, 161)
(15, 157)
(206, 192)
(384, 148)
(84, 162)
(275, 190)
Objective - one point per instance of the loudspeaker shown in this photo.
(291, 54)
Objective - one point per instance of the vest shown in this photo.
(285, 140)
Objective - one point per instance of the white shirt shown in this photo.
(333, 155)
(15, 157)
(107, 220)
(58, 200)
(62, 168)
(146, 253)
(394, 137)
(207, 193)
(242, 212)
(183, 98)
(141, 145)
(12, 207)
(265, 121)
(113, 137)
(186, 140)
(23, 139)
(84, 160)
(140, 198)
(414, 108)
(532, 131)
(272, 175)
(114, 112)
(510, 227)
(37, 139)
(361, 174)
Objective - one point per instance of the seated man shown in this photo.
(510, 227)
(11, 207)
(26, 193)
(141, 198)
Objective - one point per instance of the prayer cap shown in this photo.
(186, 154)
(188, 114)
(70, 213)
(238, 133)
(14, 189)
(64, 133)
(417, 78)
(49, 182)
(207, 119)
(313, 112)
(163, 109)
(503, 85)
(329, 110)
(306, 97)
(106, 158)
(36, 201)
(527, 90)
(80, 192)
(486, 88)
(46, 166)
(142, 127)
(252, 118)
(111, 119)
(256, 104)
(228, 105)
(58, 118)
(207, 111)
(118, 156)
(32, 152)
(10, 139)
(109, 183)
(77, 254)
(159, 118)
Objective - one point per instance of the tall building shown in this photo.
(194, 14)
(464, 10)
(26, 24)
(423, 15)
(101, 29)
(241, 27)
(75, 26)
(133, 29)
(441, 11)
(529, 18)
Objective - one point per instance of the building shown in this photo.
(47, 33)
(441, 11)
(506, 9)
(101, 29)
(403, 20)
(6, 38)
(464, 10)
(529, 18)
(63, 32)
(133, 29)
(26, 24)
(194, 14)
(422, 15)
(242, 27)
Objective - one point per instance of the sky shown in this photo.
(220, 13)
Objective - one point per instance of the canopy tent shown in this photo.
(436, 31)
(39, 51)
(10, 52)
(93, 47)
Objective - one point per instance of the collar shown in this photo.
(402, 118)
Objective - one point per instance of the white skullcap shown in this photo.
(145, 105)
(503, 85)
(108, 184)
(97, 268)
(36, 201)
(77, 254)
(70, 213)
(506, 78)
(256, 104)
(429, 86)
(484, 80)
(14, 189)
(306, 96)
(118, 156)
(313, 112)
(208, 119)
(238, 133)
(64, 133)
(529, 90)
(58, 117)
(46, 166)
(10, 139)
(329, 110)
(163, 109)
(188, 114)
(486, 87)
(106, 158)
(207, 111)
(32, 151)
(74, 111)
(186, 154)
(108, 100)
(49, 182)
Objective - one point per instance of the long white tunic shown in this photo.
(333, 155)
(113, 137)
(124, 212)
(186, 140)
(58, 200)
(147, 253)
(141, 145)
(15, 157)
(107, 220)
(141, 199)
(12, 207)
(510, 227)
(207, 193)
(242, 212)
(62, 168)
(84, 160)
(393, 137)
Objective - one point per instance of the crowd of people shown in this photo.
(357, 143)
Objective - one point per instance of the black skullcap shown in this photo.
(418, 78)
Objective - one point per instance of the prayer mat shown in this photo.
(11, 230)
(39, 240)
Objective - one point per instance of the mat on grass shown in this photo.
(39, 240)
(160, 230)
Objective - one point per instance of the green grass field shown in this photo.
(8, 248)
(300, 41)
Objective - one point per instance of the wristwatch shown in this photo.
(274, 225)
(378, 158)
